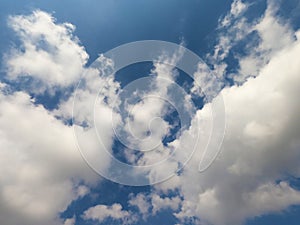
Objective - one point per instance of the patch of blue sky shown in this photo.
(289, 216)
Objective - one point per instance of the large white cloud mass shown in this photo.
(42, 171)
(41, 167)
(261, 147)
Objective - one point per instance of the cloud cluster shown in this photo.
(42, 169)
(258, 40)
(261, 145)
(150, 204)
(43, 172)
(49, 55)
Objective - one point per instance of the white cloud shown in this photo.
(261, 146)
(272, 198)
(264, 37)
(91, 108)
(159, 203)
(70, 221)
(102, 212)
(207, 84)
(238, 7)
(147, 117)
(39, 161)
(274, 34)
(147, 114)
(151, 204)
(233, 28)
(42, 169)
(82, 191)
(141, 201)
(49, 52)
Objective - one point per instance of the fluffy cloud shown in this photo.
(43, 172)
(153, 203)
(42, 169)
(148, 112)
(141, 201)
(41, 166)
(261, 144)
(70, 221)
(159, 203)
(50, 57)
(274, 34)
(264, 37)
(261, 147)
(102, 212)
(232, 29)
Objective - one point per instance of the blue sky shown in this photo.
(55, 134)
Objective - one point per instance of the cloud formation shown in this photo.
(49, 54)
(102, 212)
(261, 145)
(43, 172)
(41, 167)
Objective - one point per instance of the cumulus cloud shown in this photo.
(141, 201)
(50, 56)
(40, 163)
(151, 204)
(152, 104)
(145, 126)
(274, 34)
(261, 146)
(43, 171)
(102, 212)
(258, 39)
(160, 203)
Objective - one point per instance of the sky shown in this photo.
(150, 112)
